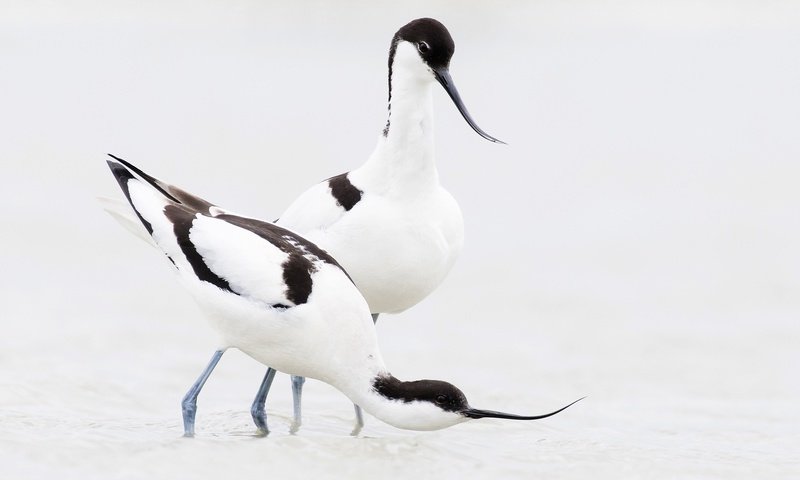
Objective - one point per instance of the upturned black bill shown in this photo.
(443, 76)
(476, 413)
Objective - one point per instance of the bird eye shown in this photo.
(441, 399)
(423, 47)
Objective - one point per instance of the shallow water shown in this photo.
(636, 242)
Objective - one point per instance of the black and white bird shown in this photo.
(286, 303)
(390, 222)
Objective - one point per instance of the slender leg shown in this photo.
(360, 416)
(189, 403)
(297, 392)
(359, 421)
(257, 410)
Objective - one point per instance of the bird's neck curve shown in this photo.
(404, 154)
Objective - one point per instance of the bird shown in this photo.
(391, 224)
(285, 302)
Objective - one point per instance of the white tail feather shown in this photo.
(121, 211)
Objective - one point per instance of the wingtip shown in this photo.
(134, 170)
(115, 162)
(115, 166)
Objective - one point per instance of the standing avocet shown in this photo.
(285, 302)
(390, 223)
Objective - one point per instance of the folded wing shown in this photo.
(240, 255)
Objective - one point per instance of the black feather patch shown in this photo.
(297, 271)
(345, 193)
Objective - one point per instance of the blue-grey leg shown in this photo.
(359, 421)
(257, 410)
(359, 415)
(189, 403)
(297, 393)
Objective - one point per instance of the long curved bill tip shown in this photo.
(444, 78)
(476, 413)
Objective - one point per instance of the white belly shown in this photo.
(396, 253)
(330, 333)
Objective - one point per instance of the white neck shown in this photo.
(353, 368)
(351, 361)
(404, 156)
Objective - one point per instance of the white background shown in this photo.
(637, 240)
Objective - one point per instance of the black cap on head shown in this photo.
(431, 38)
(442, 394)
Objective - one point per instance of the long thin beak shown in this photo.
(443, 76)
(476, 413)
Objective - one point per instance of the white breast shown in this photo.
(389, 223)
(397, 251)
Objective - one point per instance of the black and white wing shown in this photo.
(242, 256)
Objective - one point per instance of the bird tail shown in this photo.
(150, 200)
(122, 213)
(128, 176)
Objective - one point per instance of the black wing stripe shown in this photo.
(182, 219)
(278, 236)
